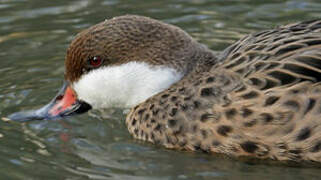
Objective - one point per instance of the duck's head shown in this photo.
(119, 63)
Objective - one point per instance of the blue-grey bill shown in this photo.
(64, 104)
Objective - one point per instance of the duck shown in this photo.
(259, 98)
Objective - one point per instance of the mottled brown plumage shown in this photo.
(261, 97)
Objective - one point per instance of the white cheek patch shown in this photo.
(125, 85)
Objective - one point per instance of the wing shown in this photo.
(283, 56)
(278, 103)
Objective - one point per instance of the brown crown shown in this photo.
(131, 38)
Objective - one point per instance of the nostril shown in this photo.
(59, 97)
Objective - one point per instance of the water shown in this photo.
(34, 36)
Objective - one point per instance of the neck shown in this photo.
(125, 85)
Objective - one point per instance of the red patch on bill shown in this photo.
(64, 102)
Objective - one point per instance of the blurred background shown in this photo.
(34, 35)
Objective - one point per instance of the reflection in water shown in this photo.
(34, 36)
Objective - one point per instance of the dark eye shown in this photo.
(95, 61)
